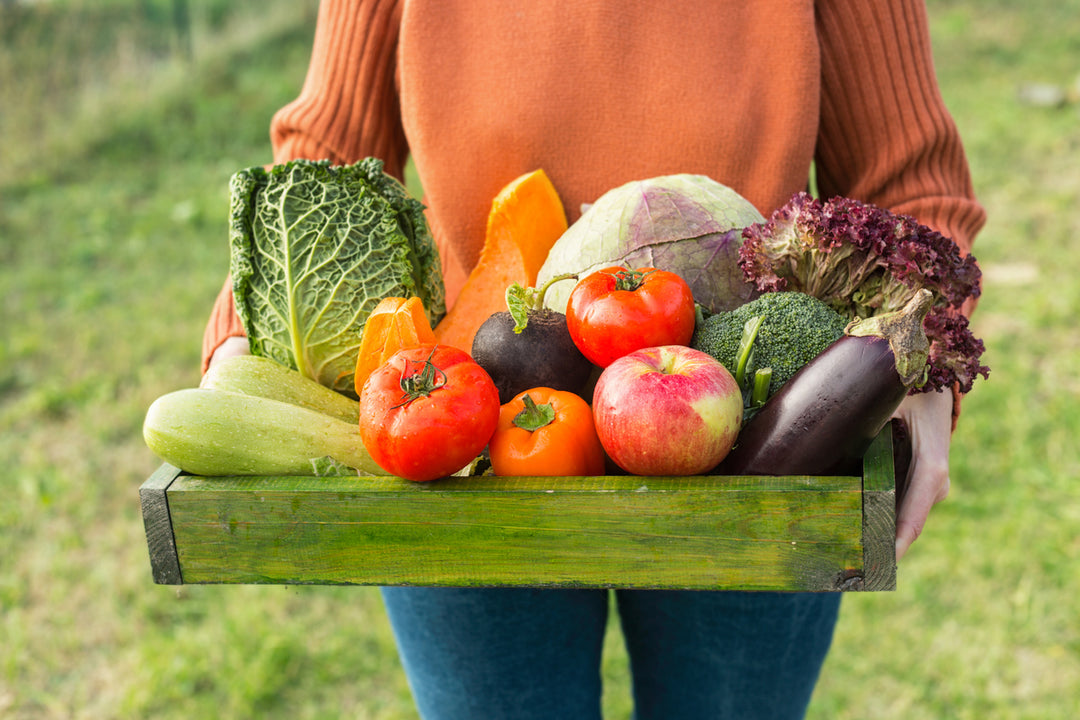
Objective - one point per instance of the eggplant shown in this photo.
(824, 418)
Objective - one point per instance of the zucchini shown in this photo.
(218, 432)
(263, 377)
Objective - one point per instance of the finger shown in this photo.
(230, 347)
(928, 485)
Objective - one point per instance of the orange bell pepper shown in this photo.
(546, 432)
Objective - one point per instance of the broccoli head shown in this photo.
(779, 330)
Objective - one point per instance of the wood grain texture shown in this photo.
(702, 532)
(153, 496)
(879, 515)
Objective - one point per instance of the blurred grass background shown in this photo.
(120, 123)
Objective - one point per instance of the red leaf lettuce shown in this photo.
(863, 260)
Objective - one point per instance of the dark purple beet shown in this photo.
(824, 418)
(541, 355)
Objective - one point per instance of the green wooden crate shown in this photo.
(712, 532)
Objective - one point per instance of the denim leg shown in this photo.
(725, 654)
(500, 653)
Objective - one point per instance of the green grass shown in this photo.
(112, 246)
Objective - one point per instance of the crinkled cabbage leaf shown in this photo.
(314, 248)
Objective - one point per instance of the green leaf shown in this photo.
(519, 301)
(329, 467)
(314, 248)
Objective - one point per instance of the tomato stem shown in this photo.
(631, 279)
(422, 383)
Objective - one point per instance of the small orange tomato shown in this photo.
(546, 432)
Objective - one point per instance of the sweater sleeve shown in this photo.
(224, 323)
(348, 109)
(886, 136)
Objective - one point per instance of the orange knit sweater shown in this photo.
(601, 92)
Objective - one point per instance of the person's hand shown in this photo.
(928, 417)
(231, 347)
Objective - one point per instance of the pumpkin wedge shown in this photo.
(395, 323)
(525, 220)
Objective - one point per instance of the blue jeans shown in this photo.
(518, 653)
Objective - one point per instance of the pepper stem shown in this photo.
(533, 417)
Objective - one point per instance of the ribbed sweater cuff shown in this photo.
(224, 323)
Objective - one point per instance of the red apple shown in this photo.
(668, 410)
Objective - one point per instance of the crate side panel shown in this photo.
(738, 538)
(157, 522)
(879, 514)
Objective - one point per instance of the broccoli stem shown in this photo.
(746, 348)
(760, 392)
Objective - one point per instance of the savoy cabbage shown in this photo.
(314, 248)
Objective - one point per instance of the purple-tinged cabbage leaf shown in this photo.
(687, 224)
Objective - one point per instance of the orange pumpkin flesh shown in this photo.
(525, 220)
(395, 323)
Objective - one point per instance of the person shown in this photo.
(756, 95)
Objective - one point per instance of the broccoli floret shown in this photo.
(794, 329)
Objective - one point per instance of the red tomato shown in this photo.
(428, 412)
(615, 311)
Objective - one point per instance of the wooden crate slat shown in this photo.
(755, 533)
(879, 515)
(164, 561)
